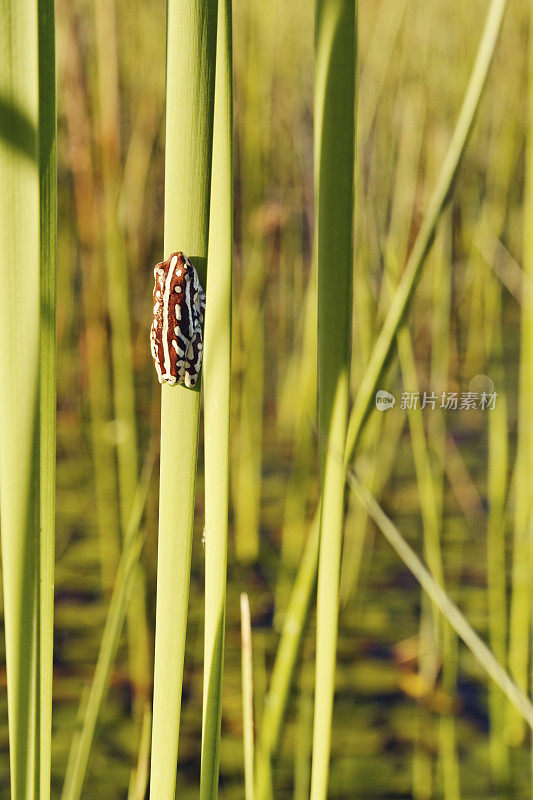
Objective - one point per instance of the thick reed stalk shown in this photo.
(19, 378)
(216, 384)
(191, 43)
(334, 193)
(27, 381)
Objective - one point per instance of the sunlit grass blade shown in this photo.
(139, 776)
(304, 733)
(335, 72)
(440, 369)
(277, 698)
(217, 390)
(247, 698)
(440, 599)
(191, 30)
(404, 293)
(27, 382)
(48, 371)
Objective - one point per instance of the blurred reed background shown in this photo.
(414, 714)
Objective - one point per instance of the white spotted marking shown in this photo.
(187, 339)
(166, 297)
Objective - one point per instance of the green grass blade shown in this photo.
(404, 293)
(334, 194)
(247, 698)
(277, 697)
(19, 375)
(48, 203)
(191, 43)
(497, 487)
(216, 385)
(139, 776)
(440, 599)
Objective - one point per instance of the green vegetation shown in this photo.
(334, 169)
(188, 152)
(340, 605)
(217, 393)
(28, 382)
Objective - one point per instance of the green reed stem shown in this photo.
(304, 733)
(140, 775)
(497, 485)
(277, 697)
(47, 358)
(216, 383)
(28, 381)
(247, 698)
(191, 44)
(334, 193)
